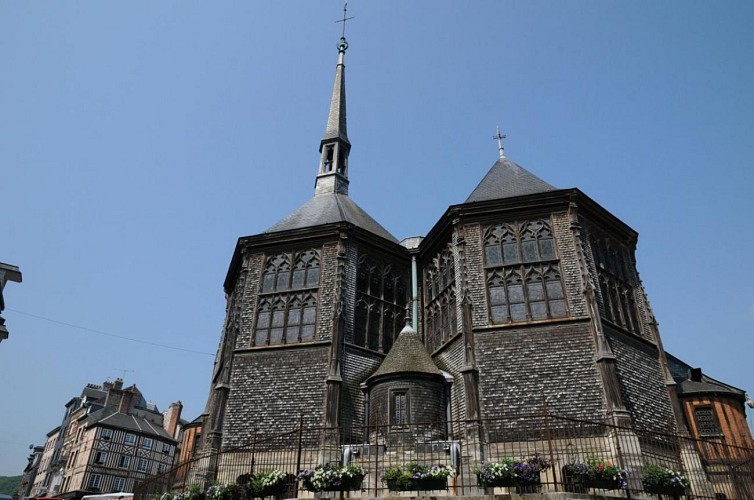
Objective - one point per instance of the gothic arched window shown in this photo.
(523, 273)
(380, 304)
(287, 308)
(614, 275)
(440, 315)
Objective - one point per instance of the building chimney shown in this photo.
(172, 417)
(118, 383)
(696, 374)
(126, 399)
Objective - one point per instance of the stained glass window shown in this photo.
(523, 273)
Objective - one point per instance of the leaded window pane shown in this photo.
(291, 334)
(499, 314)
(536, 291)
(262, 337)
(515, 293)
(558, 309)
(510, 253)
(310, 315)
(389, 291)
(299, 278)
(547, 248)
(373, 335)
(294, 317)
(263, 320)
(312, 277)
(307, 332)
(492, 255)
(529, 249)
(281, 283)
(538, 310)
(278, 318)
(554, 290)
(276, 336)
(518, 312)
(388, 329)
(268, 283)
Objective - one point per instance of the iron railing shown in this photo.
(714, 469)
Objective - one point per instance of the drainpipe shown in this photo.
(414, 295)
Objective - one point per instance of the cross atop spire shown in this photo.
(345, 13)
(332, 176)
(499, 137)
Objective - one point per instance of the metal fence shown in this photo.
(714, 469)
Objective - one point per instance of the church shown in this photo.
(523, 298)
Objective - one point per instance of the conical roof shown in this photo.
(507, 179)
(407, 355)
(327, 209)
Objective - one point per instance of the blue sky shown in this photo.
(139, 140)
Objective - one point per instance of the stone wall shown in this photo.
(271, 388)
(519, 365)
(642, 383)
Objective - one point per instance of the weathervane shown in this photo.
(499, 137)
(345, 13)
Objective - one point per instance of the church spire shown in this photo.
(332, 176)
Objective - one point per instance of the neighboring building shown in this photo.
(46, 475)
(7, 273)
(30, 471)
(110, 439)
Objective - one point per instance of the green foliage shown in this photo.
(9, 484)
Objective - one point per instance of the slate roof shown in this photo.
(407, 355)
(327, 209)
(127, 422)
(681, 373)
(507, 179)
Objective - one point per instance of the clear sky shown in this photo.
(140, 139)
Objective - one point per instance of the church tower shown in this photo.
(313, 305)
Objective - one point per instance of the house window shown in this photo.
(146, 443)
(94, 481)
(130, 439)
(100, 457)
(287, 309)
(706, 423)
(165, 448)
(107, 434)
(143, 465)
(119, 484)
(125, 462)
(380, 304)
(399, 414)
(523, 273)
(161, 468)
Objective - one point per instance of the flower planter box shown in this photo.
(417, 484)
(503, 482)
(269, 491)
(602, 483)
(670, 491)
(346, 484)
(522, 488)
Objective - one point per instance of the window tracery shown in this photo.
(613, 274)
(287, 308)
(523, 273)
(380, 305)
(440, 317)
